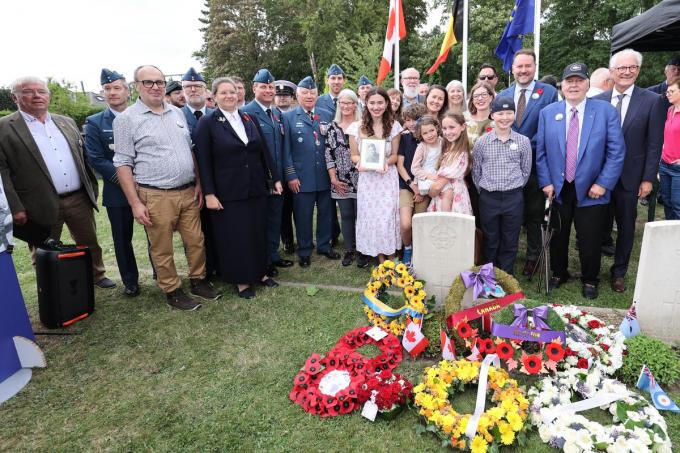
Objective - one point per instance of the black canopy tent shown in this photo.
(657, 29)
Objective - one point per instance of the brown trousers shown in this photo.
(76, 212)
(170, 211)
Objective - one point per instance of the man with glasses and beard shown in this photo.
(158, 174)
(410, 81)
(195, 93)
(488, 74)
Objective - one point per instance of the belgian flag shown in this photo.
(454, 33)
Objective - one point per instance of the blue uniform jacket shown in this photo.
(542, 96)
(99, 148)
(326, 102)
(191, 119)
(272, 133)
(303, 159)
(601, 150)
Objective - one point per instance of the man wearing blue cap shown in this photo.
(306, 173)
(270, 121)
(194, 88)
(336, 82)
(363, 86)
(99, 147)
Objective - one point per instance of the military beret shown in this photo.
(264, 76)
(576, 69)
(109, 76)
(284, 87)
(502, 103)
(363, 80)
(173, 85)
(335, 70)
(307, 82)
(192, 76)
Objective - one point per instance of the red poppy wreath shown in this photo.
(330, 385)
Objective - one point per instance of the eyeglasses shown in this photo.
(671, 92)
(480, 96)
(151, 83)
(196, 86)
(631, 68)
(40, 92)
(410, 78)
(487, 77)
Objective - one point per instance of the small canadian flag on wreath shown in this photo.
(414, 341)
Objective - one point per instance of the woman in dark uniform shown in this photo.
(235, 177)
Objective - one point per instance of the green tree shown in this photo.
(6, 102)
(72, 104)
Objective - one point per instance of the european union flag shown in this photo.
(660, 399)
(521, 22)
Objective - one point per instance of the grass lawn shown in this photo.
(141, 376)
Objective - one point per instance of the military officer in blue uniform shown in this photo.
(99, 148)
(269, 120)
(363, 86)
(336, 82)
(305, 171)
(195, 92)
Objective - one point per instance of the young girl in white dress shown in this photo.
(426, 157)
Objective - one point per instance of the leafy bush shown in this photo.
(657, 355)
(6, 102)
(5, 113)
(68, 103)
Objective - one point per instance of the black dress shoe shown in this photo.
(269, 283)
(362, 260)
(283, 263)
(331, 255)
(247, 293)
(556, 282)
(105, 283)
(589, 291)
(272, 271)
(132, 290)
(305, 261)
(608, 250)
(348, 259)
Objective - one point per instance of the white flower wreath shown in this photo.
(637, 427)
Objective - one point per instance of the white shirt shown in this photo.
(626, 100)
(202, 110)
(527, 94)
(56, 153)
(264, 108)
(235, 120)
(581, 108)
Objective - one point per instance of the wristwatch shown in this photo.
(408, 182)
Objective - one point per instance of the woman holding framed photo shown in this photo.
(374, 142)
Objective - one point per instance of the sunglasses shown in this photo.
(487, 77)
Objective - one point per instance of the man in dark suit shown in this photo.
(305, 171)
(270, 121)
(336, 82)
(530, 97)
(642, 117)
(47, 180)
(671, 71)
(195, 92)
(579, 158)
(99, 148)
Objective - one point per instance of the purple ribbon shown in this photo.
(485, 276)
(540, 315)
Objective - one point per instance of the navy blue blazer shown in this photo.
(326, 102)
(303, 159)
(542, 96)
(643, 133)
(230, 169)
(661, 89)
(601, 150)
(99, 148)
(272, 132)
(191, 119)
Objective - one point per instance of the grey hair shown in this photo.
(219, 81)
(624, 53)
(139, 68)
(408, 69)
(347, 93)
(15, 86)
(459, 84)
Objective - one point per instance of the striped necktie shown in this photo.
(572, 146)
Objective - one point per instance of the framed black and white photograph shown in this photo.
(372, 154)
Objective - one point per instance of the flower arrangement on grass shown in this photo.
(637, 426)
(590, 342)
(390, 392)
(502, 424)
(387, 311)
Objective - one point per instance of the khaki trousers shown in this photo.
(170, 211)
(76, 212)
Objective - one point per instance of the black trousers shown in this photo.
(534, 210)
(122, 228)
(287, 234)
(625, 209)
(501, 215)
(212, 263)
(589, 222)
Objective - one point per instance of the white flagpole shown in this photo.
(465, 46)
(537, 31)
(396, 43)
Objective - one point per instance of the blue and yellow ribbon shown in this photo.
(381, 308)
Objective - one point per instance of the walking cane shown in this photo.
(543, 261)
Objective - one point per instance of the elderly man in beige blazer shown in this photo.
(46, 179)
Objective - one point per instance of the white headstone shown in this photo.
(443, 247)
(657, 286)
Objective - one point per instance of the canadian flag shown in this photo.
(448, 347)
(414, 341)
(391, 39)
